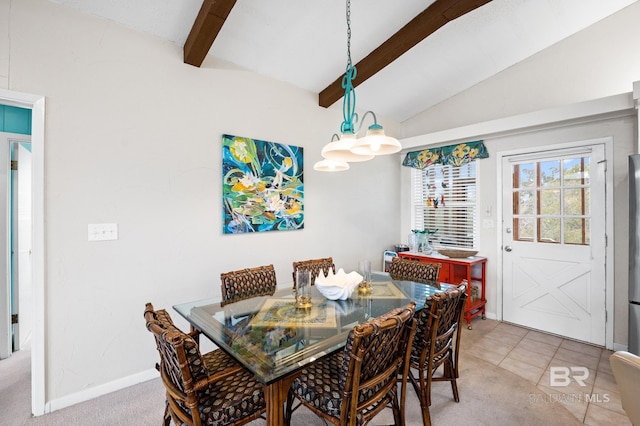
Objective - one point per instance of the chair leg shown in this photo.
(420, 387)
(167, 416)
(426, 416)
(451, 375)
(288, 409)
(426, 383)
(398, 412)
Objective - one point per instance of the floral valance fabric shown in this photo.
(454, 155)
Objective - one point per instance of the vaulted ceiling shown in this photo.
(410, 54)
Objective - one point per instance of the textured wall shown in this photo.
(133, 137)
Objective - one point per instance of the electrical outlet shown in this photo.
(103, 231)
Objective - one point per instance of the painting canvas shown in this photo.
(262, 186)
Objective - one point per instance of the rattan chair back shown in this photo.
(315, 266)
(413, 270)
(363, 377)
(437, 343)
(247, 283)
(196, 393)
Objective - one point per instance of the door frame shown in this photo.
(609, 270)
(36, 104)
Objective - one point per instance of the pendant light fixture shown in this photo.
(347, 148)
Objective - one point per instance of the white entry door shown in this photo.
(554, 242)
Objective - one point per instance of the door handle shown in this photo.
(507, 248)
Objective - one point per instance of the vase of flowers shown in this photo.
(420, 240)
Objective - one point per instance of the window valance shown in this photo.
(454, 155)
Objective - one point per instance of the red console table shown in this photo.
(453, 271)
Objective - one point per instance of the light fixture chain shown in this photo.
(348, 34)
(349, 101)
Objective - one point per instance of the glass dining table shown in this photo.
(274, 340)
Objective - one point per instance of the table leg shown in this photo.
(276, 396)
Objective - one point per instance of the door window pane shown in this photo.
(576, 201)
(587, 201)
(550, 173)
(576, 171)
(576, 231)
(524, 227)
(550, 202)
(550, 230)
(526, 176)
(526, 202)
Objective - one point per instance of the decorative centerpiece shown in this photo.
(338, 286)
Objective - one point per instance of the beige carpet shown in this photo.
(489, 395)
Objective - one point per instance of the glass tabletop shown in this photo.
(272, 338)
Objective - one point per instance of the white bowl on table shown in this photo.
(338, 286)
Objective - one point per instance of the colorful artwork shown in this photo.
(262, 186)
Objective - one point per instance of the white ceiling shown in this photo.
(304, 42)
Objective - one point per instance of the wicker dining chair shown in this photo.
(437, 342)
(324, 264)
(201, 389)
(247, 283)
(164, 319)
(413, 270)
(352, 386)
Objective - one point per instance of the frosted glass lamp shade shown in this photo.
(330, 166)
(376, 142)
(341, 150)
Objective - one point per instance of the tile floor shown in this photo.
(532, 354)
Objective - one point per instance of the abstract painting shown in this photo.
(262, 186)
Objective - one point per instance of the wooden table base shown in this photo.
(275, 395)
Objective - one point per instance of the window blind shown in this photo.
(445, 198)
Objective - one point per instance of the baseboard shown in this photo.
(94, 392)
(491, 315)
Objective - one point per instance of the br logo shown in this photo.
(561, 376)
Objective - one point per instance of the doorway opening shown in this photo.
(16, 296)
(20, 244)
(36, 104)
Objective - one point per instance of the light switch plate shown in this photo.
(103, 231)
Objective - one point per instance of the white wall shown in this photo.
(4, 44)
(133, 136)
(596, 62)
(593, 64)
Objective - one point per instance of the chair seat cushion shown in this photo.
(318, 385)
(318, 382)
(218, 360)
(231, 399)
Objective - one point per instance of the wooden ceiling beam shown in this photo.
(205, 29)
(427, 22)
